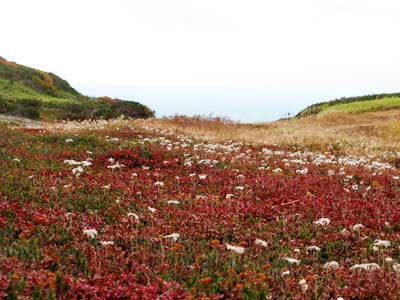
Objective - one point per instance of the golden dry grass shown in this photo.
(373, 133)
(357, 134)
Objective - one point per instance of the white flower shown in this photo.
(77, 171)
(382, 243)
(174, 236)
(285, 273)
(331, 265)
(340, 298)
(111, 160)
(72, 162)
(86, 163)
(236, 249)
(302, 171)
(106, 243)
(396, 268)
(261, 243)
(69, 140)
(291, 260)
(366, 267)
(133, 215)
(313, 248)
(229, 196)
(92, 233)
(240, 177)
(323, 222)
(106, 187)
(358, 227)
(296, 250)
(17, 160)
(202, 176)
(134, 174)
(304, 285)
(277, 170)
(68, 214)
(239, 188)
(116, 166)
(389, 260)
(159, 183)
(151, 209)
(174, 202)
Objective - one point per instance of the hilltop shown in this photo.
(368, 103)
(35, 94)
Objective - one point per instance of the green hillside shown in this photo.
(355, 104)
(31, 93)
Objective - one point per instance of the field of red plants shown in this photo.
(132, 212)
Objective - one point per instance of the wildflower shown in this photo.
(133, 215)
(17, 160)
(240, 177)
(389, 260)
(236, 249)
(261, 243)
(366, 267)
(277, 170)
(296, 250)
(396, 268)
(159, 183)
(106, 243)
(229, 196)
(285, 273)
(71, 162)
(69, 140)
(174, 236)
(323, 222)
(92, 233)
(239, 188)
(77, 171)
(151, 209)
(175, 202)
(313, 248)
(106, 187)
(291, 260)
(331, 265)
(304, 285)
(116, 166)
(302, 171)
(358, 227)
(86, 163)
(202, 176)
(382, 243)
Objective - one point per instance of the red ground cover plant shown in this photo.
(143, 214)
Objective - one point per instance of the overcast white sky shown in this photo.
(347, 46)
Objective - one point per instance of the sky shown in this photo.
(250, 60)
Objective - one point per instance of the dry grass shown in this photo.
(373, 133)
(357, 134)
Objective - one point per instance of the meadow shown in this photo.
(195, 208)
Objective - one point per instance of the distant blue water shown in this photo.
(239, 104)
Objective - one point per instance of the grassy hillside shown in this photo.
(27, 92)
(367, 103)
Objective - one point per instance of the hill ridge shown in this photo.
(36, 94)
